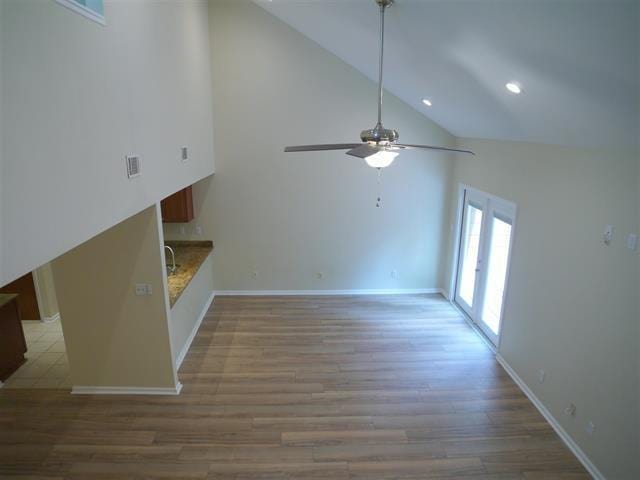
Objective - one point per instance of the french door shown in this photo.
(486, 233)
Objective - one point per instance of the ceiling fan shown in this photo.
(379, 145)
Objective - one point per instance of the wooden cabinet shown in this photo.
(27, 298)
(12, 343)
(178, 208)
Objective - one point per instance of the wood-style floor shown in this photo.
(381, 387)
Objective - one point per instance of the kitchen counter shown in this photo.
(189, 256)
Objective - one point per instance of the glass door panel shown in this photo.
(483, 261)
(498, 261)
(470, 254)
(470, 249)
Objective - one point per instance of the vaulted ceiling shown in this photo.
(577, 62)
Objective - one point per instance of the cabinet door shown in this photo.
(27, 298)
(178, 208)
(12, 343)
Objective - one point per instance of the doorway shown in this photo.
(486, 233)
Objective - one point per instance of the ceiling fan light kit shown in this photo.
(380, 147)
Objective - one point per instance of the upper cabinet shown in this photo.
(178, 208)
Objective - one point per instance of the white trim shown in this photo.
(192, 335)
(289, 293)
(474, 327)
(76, 390)
(53, 318)
(36, 286)
(82, 10)
(562, 433)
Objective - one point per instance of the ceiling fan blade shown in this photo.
(363, 150)
(429, 147)
(318, 148)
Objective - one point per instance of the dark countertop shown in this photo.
(6, 298)
(189, 256)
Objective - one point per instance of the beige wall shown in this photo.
(291, 216)
(76, 98)
(115, 338)
(571, 307)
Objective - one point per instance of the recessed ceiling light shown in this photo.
(514, 87)
(426, 102)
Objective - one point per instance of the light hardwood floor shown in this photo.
(380, 387)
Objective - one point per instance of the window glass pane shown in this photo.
(496, 274)
(470, 255)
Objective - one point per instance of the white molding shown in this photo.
(53, 318)
(82, 10)
(76, 390)
(36, 286)
(194, 331)
(289, 293)
(562, 433)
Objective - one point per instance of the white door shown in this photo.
(486, 235)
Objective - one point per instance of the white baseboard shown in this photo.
(126, 390)
(288, 293)
(562, 433)
(52, 318)
(192, 335)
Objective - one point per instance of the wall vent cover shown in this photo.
(133, 166)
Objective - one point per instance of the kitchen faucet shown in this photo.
(172, 268)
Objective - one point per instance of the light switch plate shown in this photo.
(632, 242)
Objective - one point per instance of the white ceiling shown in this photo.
(576, 60)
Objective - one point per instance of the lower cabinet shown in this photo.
(12, 343)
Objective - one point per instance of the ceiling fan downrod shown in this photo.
(379, 134)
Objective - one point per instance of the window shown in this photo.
(92, 9)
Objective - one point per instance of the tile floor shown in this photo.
(46, 365)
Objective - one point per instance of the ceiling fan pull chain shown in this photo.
(379, 198)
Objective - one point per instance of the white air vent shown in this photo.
(133, 166)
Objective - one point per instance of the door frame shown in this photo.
(455, 257)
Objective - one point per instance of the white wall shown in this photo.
(290, 216)
(77, 97)
(571, 306)
(189, 310)
(2, 200)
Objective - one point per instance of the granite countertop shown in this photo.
(6, 298)
(189, 256)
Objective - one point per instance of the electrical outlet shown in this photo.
(143, 289)
(254, 274)
(198, 230)
(608, 234)
(541, 376)
(320, 275)
(632, 242)
(394, 274)
(590, 428)
(183, 230)
(184, 153)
